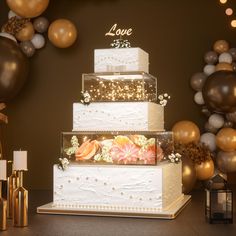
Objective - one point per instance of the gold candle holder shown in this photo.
(20, 203)
(12, 184)
(3, 211)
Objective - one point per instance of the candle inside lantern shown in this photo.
(3, 170)
(20, 160)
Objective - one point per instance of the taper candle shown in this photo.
(3, 170)
(20, 160)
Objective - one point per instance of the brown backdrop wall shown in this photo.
(175, 33)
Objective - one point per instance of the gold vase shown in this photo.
(3, 211)
(12, 184)
(20, 204)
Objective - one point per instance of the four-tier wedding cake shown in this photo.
(115, 160)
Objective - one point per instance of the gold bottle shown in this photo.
(12, 184)
(20, 204)
(3, 210)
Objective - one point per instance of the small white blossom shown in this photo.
(64, 162)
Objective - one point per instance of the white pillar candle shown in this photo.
(20, 160)
(3, 170)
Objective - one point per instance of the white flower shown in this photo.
(160, 97)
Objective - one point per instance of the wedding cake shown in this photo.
(116, 160)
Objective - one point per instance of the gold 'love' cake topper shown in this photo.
(119, 43)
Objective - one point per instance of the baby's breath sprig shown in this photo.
(120, 43)
(85, 97)
(163, 99)
(174, 157)
(63, 163)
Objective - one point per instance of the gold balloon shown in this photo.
(205, 170)
(28, 8)
(224, 66)
(26, 33)
(186, 132)
(62, 33)
(221, 46)
(188, 174)
(226, 139)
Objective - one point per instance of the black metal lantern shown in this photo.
(219, 201)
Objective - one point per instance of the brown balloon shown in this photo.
(41, 24)
(188, 174)
(186, 132)
(232, 52)
(226, 161)
(205, 170)
(224, 66)
(211, 57)
(27, 48)
(209, 128)
(14, 75)
(205, 111)
(231, 117)
(228, 124)
(28, 8)
(62, 33)
(234, 65)
(221, 46)
(219, 92)
(226, 139)
(197, 81)
(26, 33)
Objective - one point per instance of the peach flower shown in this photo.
(87, 150)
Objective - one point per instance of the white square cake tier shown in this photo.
(120, 60)
(118, 187)
(118, 116)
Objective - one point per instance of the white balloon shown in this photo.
(225, 57)
(12, 14)
(9, 36)
(209, 140)
(38, 41)
(198, 98)
(216, 121)
(209, 69)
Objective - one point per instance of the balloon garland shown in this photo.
(216, 95)
(214, 151)
(22, 35)
(215, 92)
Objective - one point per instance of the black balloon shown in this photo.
(27, 48)
(219, 92)
(197, 81)
(211, 57)
(14, 68)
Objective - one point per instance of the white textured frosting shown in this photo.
(118, 186)
(118, 116)
(121, 60)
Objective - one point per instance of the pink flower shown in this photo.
(126, 153)
(151, 154)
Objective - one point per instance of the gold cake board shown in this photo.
(171, 213)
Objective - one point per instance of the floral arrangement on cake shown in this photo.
(122, 149)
